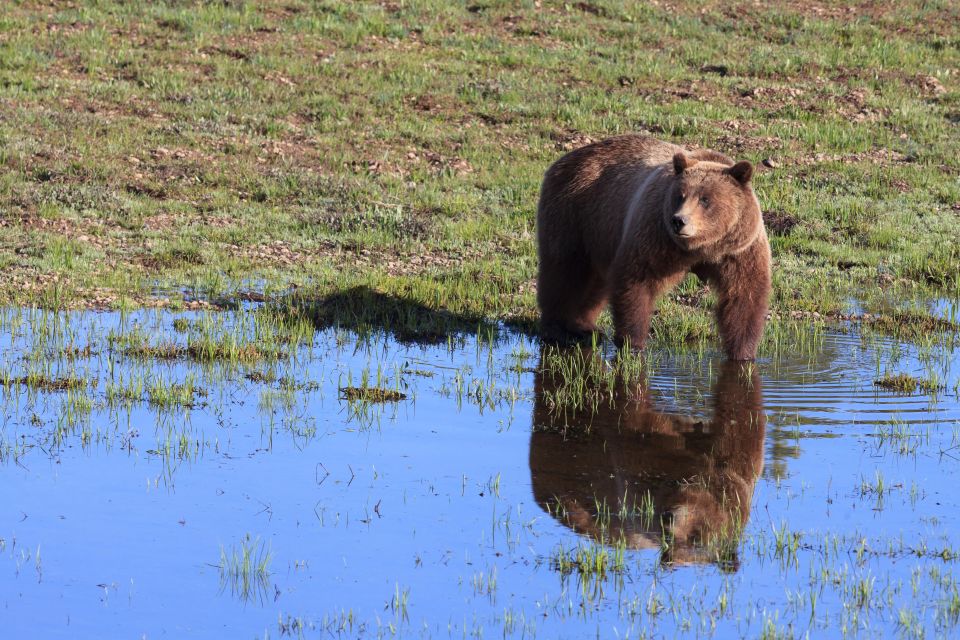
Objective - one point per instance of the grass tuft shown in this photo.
(371, 394)
(45, 383)
(905, 383)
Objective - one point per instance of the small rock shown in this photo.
(770, 163)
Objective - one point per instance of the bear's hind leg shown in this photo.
(586, 308)
(633, 302)
(571, 296)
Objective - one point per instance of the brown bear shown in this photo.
(629, 471)
(625, 219)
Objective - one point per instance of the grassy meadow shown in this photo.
(192, 153)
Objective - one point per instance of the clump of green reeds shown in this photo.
(905, 383)
(164, 393)
(246, 568)
(371, 394)
(43, 382)
(911, 324)
(578, 379)
(593, 563)
(244, 337)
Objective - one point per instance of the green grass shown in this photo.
(43, 382)
(246, 569)
(592, 561)
(176, 152)
(167, 394)
(371, 394)
(906, 383)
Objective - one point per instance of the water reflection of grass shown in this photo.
(245, 569)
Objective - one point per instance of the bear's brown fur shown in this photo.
(699, 474)
(625, 219)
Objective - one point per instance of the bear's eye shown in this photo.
(704, 201)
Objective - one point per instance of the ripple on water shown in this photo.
(834, 387)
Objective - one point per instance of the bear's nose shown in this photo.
(678, 222)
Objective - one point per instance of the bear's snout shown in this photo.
(679, 221)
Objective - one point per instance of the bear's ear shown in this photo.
(742, 171)
(681, 162)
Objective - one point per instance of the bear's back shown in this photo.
(586, 194)
(607, 164)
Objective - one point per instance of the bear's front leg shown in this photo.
(743, 285)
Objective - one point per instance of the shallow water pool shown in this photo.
(158, 492)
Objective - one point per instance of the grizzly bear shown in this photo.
(625, 219)
(628, 471)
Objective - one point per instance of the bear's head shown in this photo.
(711, 208)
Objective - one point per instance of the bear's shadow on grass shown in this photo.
(364, 311)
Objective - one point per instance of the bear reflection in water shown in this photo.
(598, 474)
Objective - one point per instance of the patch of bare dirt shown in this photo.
(874, 156)
(901, 185)
(273, 253)
(853, 106)
(514, 142)
(32, 284)
(31, 221)
(588, 7)
(769, 98)
(929, 86)
(394, 261)
(440, 163)
(236, 54)
(837, 11)
(375, 167)
(83, 232)
(425, 102)
(738, 144)
(778, 222)
(437, 163)
(219, 221)
(699, 90)
(570, 140)
(162, 221)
